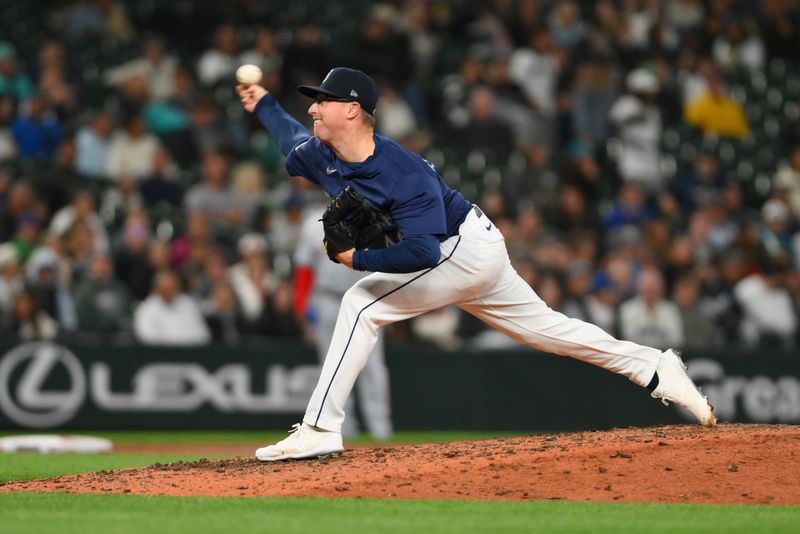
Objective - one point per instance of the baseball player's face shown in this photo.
(329, 115)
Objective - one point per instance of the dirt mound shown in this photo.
(730, 464)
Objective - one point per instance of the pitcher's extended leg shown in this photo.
(513, 307)
(510, 305)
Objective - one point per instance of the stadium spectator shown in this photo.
(630, 208)
(565, 24)
(96, 19)
(577, 285)
(698, 329)
(26, 238)
(197, 228)
(637, 119)
(739, 47)
(102, 302)
(456, 89)
(130, 154)
(595, 88)
(769, 317)
(54, 184)
(11, 281)
(649, 317)
(155, 67)
(161, 187)
(280, 320)
(571, 214)
(395, 117)
(13, 82)
(209, 133)
(92, 143)
(265, 53)
(714, 112)
(787, 181)
(214, 197)
(779, 28)
(684, 16)
(81, 208)
(578, 167)
(382, 50)
(168, 316)
(306, 56)
(536, 69)
(131, 257)
(701, 184)
(600, 305)
(285, 225)
(78, 245)
(716, 300)
(194, 131)
(48, 280)
(53, 82)
(215, 272)
(17, 199)
(535, 180)
(29, 322)
(484, 129)
(251, 278)
(777, 235)
(222, 315)
(8, 147)
(217, 64)
(38, 134)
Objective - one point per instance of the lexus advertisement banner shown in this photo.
(54, 386)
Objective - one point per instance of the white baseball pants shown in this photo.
(372, 385)
(474, 273)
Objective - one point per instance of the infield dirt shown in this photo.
(755, 464)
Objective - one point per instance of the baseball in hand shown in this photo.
(248, 74)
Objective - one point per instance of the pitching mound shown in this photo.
(727, 464)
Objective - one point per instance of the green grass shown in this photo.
(38, 513)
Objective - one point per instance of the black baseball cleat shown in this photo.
(674, 385)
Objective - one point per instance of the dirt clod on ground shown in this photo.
(756, 464)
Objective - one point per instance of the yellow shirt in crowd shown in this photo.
(718, 115)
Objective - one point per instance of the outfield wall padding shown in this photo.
(66, 386)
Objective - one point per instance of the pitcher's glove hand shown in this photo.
(349, 222)
(338, 238)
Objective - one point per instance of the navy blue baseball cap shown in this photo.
(346, 84)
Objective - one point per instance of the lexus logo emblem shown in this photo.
(29, 403)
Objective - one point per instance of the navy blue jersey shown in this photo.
(392, 179)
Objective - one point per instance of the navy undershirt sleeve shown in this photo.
(286, 131)
(413, 253)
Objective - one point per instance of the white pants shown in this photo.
(474, 273)
(372, 385)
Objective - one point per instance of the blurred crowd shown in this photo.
(139, 202)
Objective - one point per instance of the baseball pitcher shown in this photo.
(447, 252)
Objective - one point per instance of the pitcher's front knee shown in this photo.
(358, 303)
(357, 297)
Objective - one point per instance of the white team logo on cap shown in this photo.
(353, 93)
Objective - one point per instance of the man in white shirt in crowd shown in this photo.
(168, 316)
(649, 317)
(768, 311)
